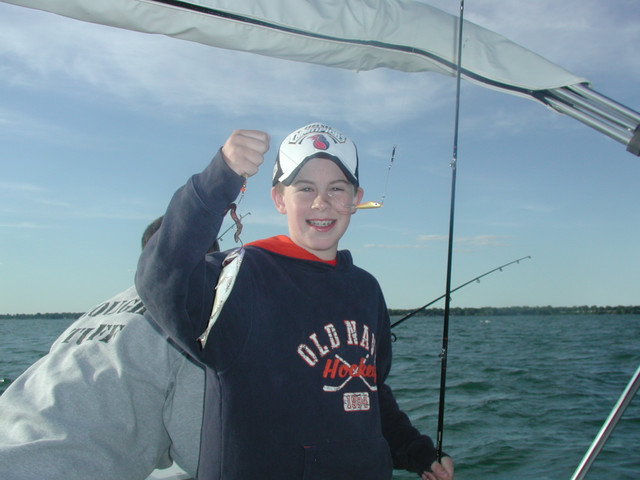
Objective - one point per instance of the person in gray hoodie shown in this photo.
(113, 399)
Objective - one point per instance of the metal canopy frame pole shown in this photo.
(597, 111)
(608, 426)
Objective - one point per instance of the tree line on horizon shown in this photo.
(428, 312)
(522, 310)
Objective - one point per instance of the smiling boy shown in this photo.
(297, 361)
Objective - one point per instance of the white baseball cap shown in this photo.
(315, 140)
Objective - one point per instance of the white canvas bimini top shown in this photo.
(360, 35)
(351, 34)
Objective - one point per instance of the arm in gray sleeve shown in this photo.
(91, 408)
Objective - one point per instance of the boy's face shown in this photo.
(316, 220)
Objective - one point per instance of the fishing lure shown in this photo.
(234, 225)
(367, 205)
(231, 209)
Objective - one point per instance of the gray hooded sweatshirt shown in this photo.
(113, 399)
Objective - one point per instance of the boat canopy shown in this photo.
(363, 35)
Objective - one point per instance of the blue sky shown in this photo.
(100, 126)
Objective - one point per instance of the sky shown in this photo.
(99, 126)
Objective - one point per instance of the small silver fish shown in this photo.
(230, 268)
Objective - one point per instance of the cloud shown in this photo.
(18, 124)
(26, 200)
(432, 238)
(24, 193)
(477, 240)
(395, 246)
(183, 77)
(583, 36)
(539, 208)
(20, 188)
(26, 226)
(428, 241)
(168, 76)
(482, 241)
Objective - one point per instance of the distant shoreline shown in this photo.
(429, 312)
(515, 311)
(41, 316)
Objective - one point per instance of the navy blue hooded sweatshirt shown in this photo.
(295, 364)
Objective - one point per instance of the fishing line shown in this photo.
(367, 205)
(453, 165)
(342, 201)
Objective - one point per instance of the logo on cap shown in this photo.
(320, 142)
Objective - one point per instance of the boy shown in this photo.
(297, 360)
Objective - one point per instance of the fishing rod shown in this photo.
(475, 279)
(453, 165)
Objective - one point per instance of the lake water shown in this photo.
(525, 395)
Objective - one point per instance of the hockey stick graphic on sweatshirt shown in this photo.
(356, 373)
